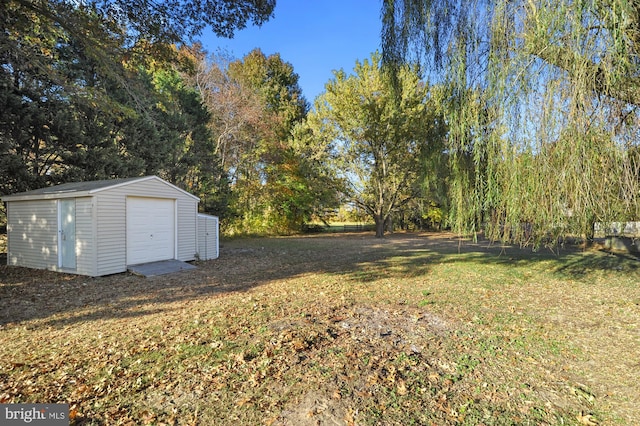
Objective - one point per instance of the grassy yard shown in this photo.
(334, 329)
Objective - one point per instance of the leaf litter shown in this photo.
(341, 329)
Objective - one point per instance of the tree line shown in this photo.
(99, 90)
(518, 119)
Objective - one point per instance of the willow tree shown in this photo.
(543, 113)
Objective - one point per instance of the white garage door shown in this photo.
(150, 230)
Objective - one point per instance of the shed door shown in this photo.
(207, 237)
(67, 233)
(151, 229)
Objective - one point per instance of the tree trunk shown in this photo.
(379, 225)
(388, 224)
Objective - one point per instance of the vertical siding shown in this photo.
(111, 222)
(111, 233)
(85, 238)
(32, 232)
(186, 232)
(208, 239)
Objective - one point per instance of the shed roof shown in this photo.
(80, 189)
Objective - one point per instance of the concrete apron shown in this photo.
(160, 268)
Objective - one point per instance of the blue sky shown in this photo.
(315, 36)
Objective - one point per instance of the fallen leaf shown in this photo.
(401, 387)
(587, 419)
(582, 392)
(243, 402)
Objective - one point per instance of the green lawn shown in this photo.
(334, 329)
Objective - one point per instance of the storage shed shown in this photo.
(102, 227)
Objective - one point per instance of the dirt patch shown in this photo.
(402, 329)
(316, 409)
(373, 339)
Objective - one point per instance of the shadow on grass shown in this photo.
(579, 267)
(245, 264)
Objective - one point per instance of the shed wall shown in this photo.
(111, 222)
(32, 228)
(85, 237)
(32, 232)
(187, 228)
(110, 234)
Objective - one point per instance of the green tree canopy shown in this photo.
(380, 135)
(164, 21)
(256, 106)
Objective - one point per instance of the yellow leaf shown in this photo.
(401, 387)
(587, 419)
(243, 402)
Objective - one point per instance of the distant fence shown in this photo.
(357, 228)
(617, 229)
(339, 228)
